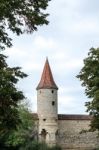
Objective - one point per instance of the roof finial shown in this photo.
(46, 58)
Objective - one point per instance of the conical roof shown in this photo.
(47, 81)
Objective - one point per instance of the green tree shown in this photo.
(20, 16)
(34, 145)
(26, 131)
(89, 75)
(10, 96)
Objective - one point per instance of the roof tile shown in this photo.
(47, 81)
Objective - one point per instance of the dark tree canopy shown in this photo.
(10, 96)
(20, 16)
(89, 75)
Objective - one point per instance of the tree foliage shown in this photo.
(25, 133)
(89, 75)
(10, 96)
(20, 16)
(34, 145)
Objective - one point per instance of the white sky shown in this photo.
(72, 31)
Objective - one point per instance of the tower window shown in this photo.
(52, 91)
(44, 119)
(40, 91)
(53, 103)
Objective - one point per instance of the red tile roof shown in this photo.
(73, 117)
(68, 117)
(47, 81)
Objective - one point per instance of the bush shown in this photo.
(38, 146)
(55, 148)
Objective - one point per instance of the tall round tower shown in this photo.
(47, 107)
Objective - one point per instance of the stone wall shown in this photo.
(69, 135)
(70, 138)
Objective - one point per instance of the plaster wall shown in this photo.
(45, 97)
(47, 114)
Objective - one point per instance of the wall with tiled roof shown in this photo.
(69, 135)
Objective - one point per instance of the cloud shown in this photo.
(70, 89)
(86, 26)
(29, 66)
(72, 31)
(43, 43)
(70, 105)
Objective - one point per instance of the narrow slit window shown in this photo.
(52, 91)
(44, 119)
(53, 103)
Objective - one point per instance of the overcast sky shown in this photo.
(72, 31)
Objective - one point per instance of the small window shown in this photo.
(52, 91)
(44, 119)
(43, 134)
(53, 103)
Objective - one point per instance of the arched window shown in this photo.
(43, 134)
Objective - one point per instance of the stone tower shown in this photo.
(47, 106)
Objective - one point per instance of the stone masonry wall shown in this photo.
(70, 138)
